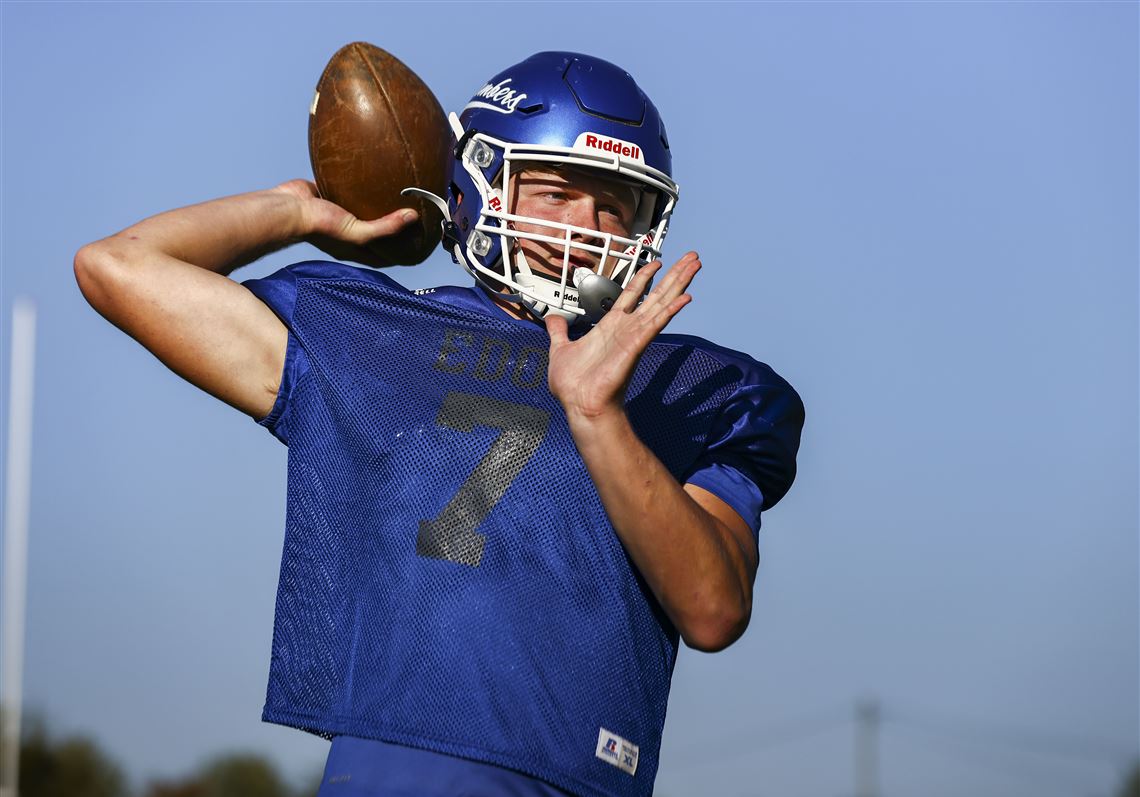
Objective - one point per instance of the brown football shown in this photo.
(375, 129)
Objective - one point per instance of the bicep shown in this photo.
(205, 327)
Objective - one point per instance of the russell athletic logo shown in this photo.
(617, 751)
(500, 97)
(592, 142)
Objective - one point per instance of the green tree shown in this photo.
(71, 767)
(234, 775)
(243, 775)
(188, 789)
(1131, 785)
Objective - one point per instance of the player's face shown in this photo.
(569, 196)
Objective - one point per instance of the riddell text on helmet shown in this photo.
(616, 146)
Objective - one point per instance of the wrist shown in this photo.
(605, 424)
(291, 199)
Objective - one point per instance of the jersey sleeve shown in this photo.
(279, 291)
(749, 459)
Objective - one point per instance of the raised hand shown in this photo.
(590, 375)
(335, 231)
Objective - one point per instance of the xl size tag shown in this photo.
(617, 751)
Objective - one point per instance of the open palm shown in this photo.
(590, 375)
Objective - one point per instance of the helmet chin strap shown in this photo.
(430, 197)
(593, 294)
(540, 287)
(450, 235)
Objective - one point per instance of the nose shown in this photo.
(582, 212)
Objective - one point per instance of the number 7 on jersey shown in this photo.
(451, 535)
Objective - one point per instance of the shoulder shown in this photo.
(755, 421)
(280, 289)
(751, 374)
(332, 271)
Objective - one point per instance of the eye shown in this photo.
(618, 216)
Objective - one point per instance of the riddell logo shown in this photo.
(646, 240)
(616, 146)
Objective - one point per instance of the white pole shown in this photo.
(17, 492)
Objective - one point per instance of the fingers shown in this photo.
(674, 284)
(339, 233)
(629, 297)
(655, 318)
(678, 278)
(667, 299)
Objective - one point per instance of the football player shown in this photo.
(507, 502)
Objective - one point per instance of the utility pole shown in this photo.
(17, 490)
(867, 748)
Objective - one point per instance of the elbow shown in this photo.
(97, 268)
(717, 624)
(89, 267)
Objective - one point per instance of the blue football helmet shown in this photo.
(576, 111)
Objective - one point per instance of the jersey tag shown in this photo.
(617, 751)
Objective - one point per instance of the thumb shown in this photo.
(386, 226)
(556, 327)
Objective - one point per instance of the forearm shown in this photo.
(219, 235)
(697, 567)
(162, 281)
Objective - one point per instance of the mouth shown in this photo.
(581, 261)
(549, 260)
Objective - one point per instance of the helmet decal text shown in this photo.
(500, 97)
(594, 141)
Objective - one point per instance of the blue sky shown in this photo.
(924, 215)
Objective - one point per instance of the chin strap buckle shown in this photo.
(451, 240)
(596, 294)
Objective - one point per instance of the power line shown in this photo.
(985, 743)
(980, 754)
(1050, 743)
(752, 741)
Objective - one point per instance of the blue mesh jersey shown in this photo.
(450, 580)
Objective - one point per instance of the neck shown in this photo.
(514, 309)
